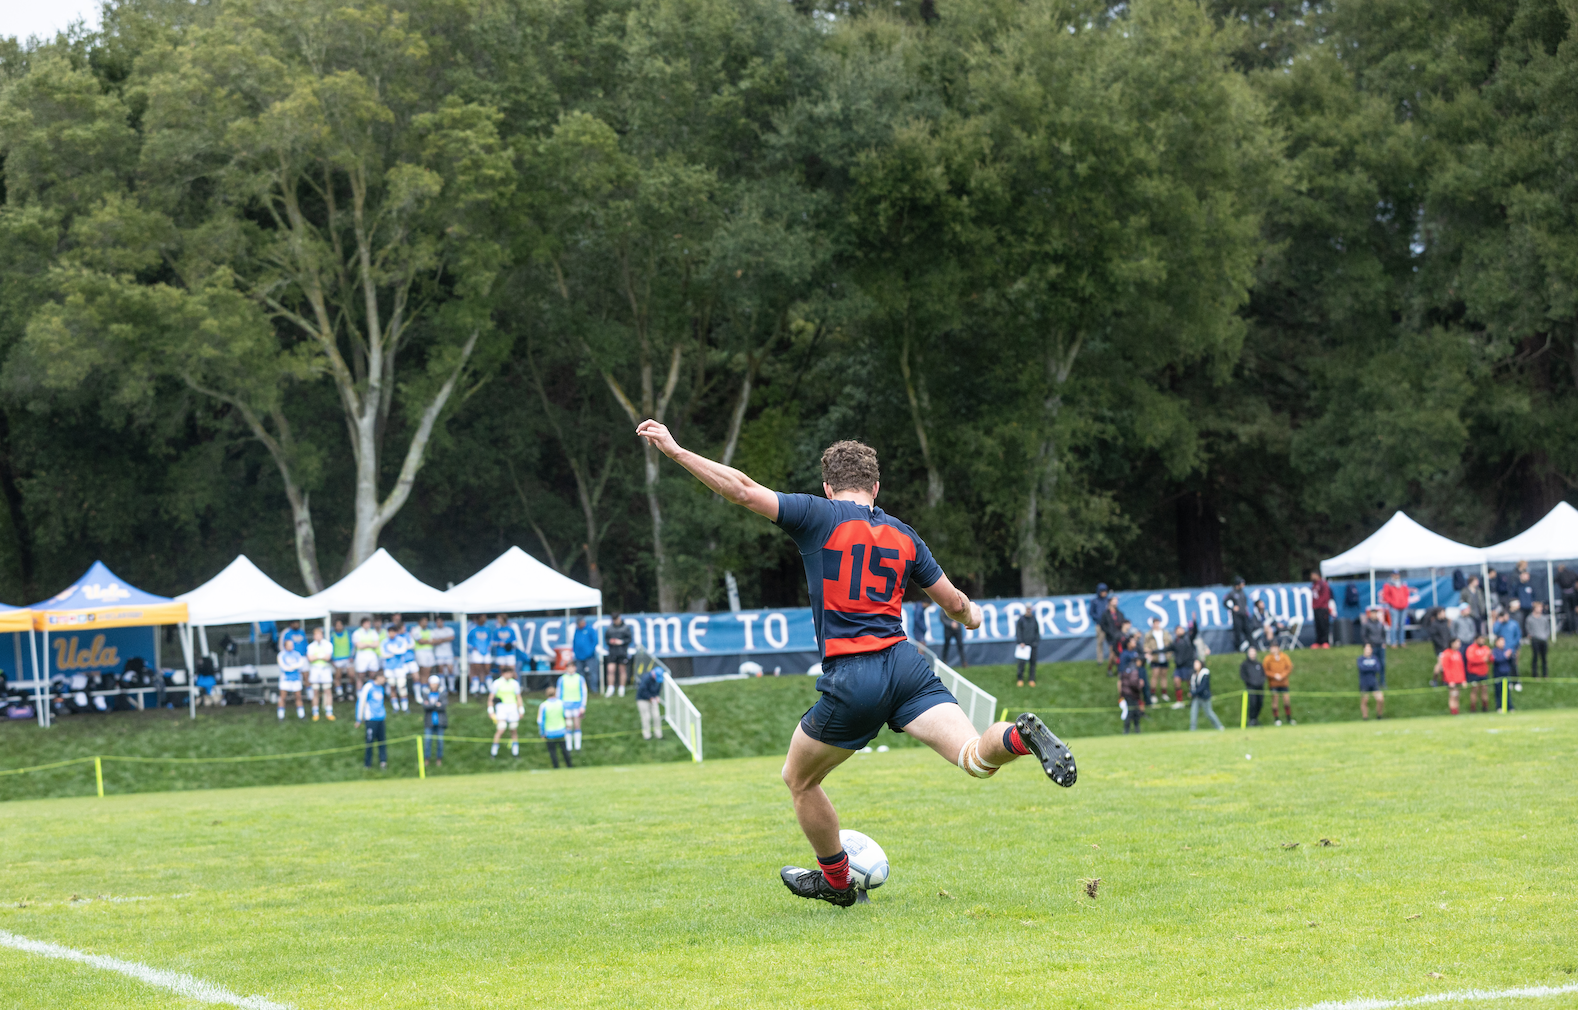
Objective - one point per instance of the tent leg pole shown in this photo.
(1435, 601)
(191, 672)
(44, 708)
(463, 657)
(1372, 588)
(1550, 600)
(597, 629)
(38, 676)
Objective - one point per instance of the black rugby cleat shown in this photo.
(1056, 759)
(811, 884)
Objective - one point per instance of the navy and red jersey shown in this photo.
(858, 561)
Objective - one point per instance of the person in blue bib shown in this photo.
(341, 658)
(370, 712)
(504, 642)
(479, 649)
(295, 635)
(551, 727)
(572, 689)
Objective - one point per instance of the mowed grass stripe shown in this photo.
(656, 885)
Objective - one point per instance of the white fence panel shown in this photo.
(979, 707)
(678, 711)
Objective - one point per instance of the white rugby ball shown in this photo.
(868, 864)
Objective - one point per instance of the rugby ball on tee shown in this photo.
(868, 864)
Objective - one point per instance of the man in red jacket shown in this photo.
(1395, 595)
(1320, 603)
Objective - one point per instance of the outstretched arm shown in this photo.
(725, 480)
(954, 603)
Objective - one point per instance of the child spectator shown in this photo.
(649, 692)
(1254, 677)
(1131, 695)
(1372, 681)
(1503, 668)
(1279, 667)
(1507, 627)
(1539, 629)
(1476, 663)
(1449, 667)
(1200, 695)
(435, 719)
(551, 727)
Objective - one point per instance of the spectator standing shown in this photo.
(649, 692)
(1474, 600)
(292, 665)
(1498, 592)
(1200, 697)
(1372, 632)
(1539, 630)
(1372, 683)
(953, 634)
(444, 654)
(435, 719)
(550, 726)
(370, 712)
(617, 639)
(320, 674)
(1524, 590)
(1395, 595)
(1476, 664)
(583, 646)
(1511, 635)
(1155, 645)
(1254, 677)
(1504, 667)
(1567, 582)
(1131, 695)
(918, 623)
(479, 653)
(1464, 628)
(1237, 604)
(1027, 638)
(1279, 669)
(1184, 655)
(572, 691)
(1111, 625)
(1438, 629)
(1449, 668)
(1098, 607)
(1320, 604)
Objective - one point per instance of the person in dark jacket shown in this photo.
(918, 623)
(1200, 695)
(1027, 636)
(1111, 624)
(1567, 584)
(649, 693)
(1098, 607)
(1498, 590)
(1237, 604)
(1474, 600)
(1523, 592)
(1372, 681)
(1184, 655)
(1254, 677)
(435, 720)
(1438, 629)
(1131, 697)
(953, 633)
(1372, 631)
(1320, 604)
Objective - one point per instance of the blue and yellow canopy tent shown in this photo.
(99, 600)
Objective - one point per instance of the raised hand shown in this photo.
(658, 435)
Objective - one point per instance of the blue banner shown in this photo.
(750, 632)
(80, 651)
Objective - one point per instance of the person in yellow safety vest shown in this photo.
(366, 641)
(504, 708)
(572, 692)
(550, 726)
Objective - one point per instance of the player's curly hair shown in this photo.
(850, 466)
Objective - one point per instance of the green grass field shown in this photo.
(740, 719)
(655, 885)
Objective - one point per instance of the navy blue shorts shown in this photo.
(862, 692)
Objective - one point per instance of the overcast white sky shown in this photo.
(44, 17)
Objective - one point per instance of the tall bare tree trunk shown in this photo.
(655, 407)
(920, 410)
(1042, 482)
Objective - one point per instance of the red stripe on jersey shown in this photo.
(864, 643)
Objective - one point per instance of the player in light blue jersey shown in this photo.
(292, 665)
(505, 639)
(399, 663)
(479, 651)
(572, 691)
(296, 635)
(370, 711)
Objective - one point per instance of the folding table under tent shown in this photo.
(1552, 539)
(517, 583)
(97, 601)
(1402, 544)
(240, 594)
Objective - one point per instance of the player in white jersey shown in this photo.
(444, 654)
(320, 674)
(504, 707)
(292, 665)
(399, 664)
(572, 693)
(422, 638)
(366, 641)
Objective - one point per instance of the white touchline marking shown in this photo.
(1526, 992)
(175, 981)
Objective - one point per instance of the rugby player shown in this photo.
(422, 636)
(399, 661)
(366, 640)
(571, 688)
(320, 674)
(444, 654)
(479, 642)
(504, 639)
(504, 708)
(857, 560)
(340, 639)
(291, 666)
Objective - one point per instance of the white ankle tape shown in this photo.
(971, 763)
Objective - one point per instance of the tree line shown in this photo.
(1157, 293)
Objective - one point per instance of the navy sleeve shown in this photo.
(807, 518)
(926, 571)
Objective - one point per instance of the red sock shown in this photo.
(1177, 694)
(835, 869)
(1012, 742)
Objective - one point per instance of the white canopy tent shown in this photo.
(1552, 539)
(513, 583)
(380, 585)
(1398, 545)
(241, 594)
